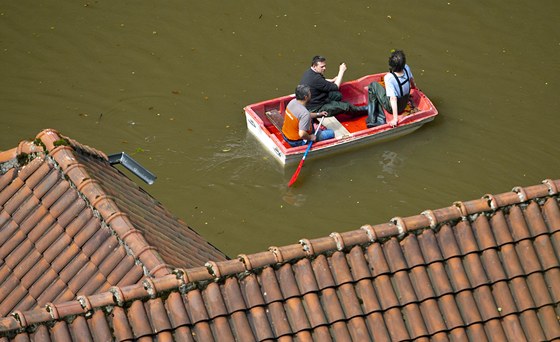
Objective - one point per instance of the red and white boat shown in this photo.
(264, 120)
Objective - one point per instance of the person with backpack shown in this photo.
(395, 96)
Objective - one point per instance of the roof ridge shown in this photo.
(20, 155)
(184, 280)
(49, 138)
(61, 151)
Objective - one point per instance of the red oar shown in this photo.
(296, 174)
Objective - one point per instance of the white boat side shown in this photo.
(288, 156)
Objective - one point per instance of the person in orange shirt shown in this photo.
(297, 129)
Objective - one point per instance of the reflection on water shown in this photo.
(390, 163)
(292, 198)
(236, 157)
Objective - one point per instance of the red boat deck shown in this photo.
(352, 123)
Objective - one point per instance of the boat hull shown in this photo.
(355, 135)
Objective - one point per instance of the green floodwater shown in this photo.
(167, 82)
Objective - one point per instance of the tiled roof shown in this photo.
(71, 224)
(480, 270)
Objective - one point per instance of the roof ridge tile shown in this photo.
(30, 147)
(52, 139)
(88, 149)
(551, 185)
(8, 157)
(401, 226)
(338, 239)
(370, 232)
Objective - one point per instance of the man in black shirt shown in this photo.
(325, 95)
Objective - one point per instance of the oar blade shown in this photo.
(296, 174)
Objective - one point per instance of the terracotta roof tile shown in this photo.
(278, 319)
(339, 331)
(57, 246)
(122, 329)
(260, 324)
(145, 213)
(331, 305)
(52, 292)
(9, 191)
(478, 270)
(63, 233)
(138, 319)
(240, 327)
(111, 261)
(233, 298)
(296, 314)
(11, 294)
(203, 332)
(99, 327)
(42, 334)
(251, 290)
(132, 276)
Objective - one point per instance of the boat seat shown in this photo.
(276, 118)
(339, 130)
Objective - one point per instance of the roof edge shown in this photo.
(52, 139)
(60, 150)
(186, 279)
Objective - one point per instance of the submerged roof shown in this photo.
(71, 224)
(485, 269)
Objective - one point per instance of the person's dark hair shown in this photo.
(317, 59)
(302, 91)
(397, 61)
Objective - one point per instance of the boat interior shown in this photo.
(272, 112)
